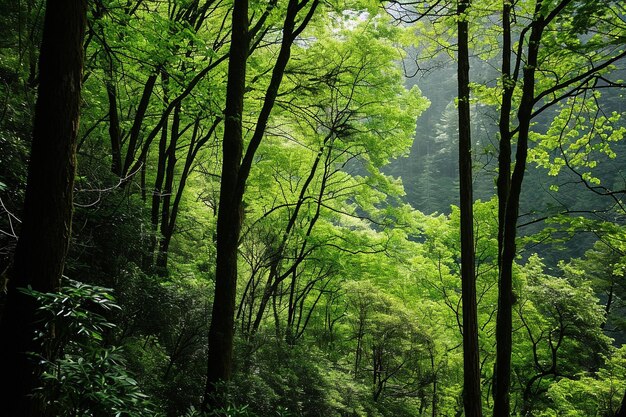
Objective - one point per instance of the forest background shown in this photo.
(269, 206)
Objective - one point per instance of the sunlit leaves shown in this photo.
(579, 136)
(591, 394)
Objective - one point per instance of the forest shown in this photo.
(312, 208)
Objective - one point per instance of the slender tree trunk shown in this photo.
(508, 225)
(609, 303)
(166, 227)
(45, 234)
(434, 402)
(135, 130)
(157, 190)
(504, 154)
(503, 321)
(32, 44)
(235, 171)
(115, 132)
(229, 215)
(621, 411)
(471, 363)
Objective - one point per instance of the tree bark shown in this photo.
(621, 411)
(45, 234)
(135, 130)
(229, 215)
(166, 227)
(507, 228)
(471, 363)
(502, 371)
(235, 172)
(115, 132)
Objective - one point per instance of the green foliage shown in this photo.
(562, 326)
(604, 265)
(281, 380)
(362, 292)
(593, 394)
(86, 376)
(165, 326)
(578, 138)
(19, 35)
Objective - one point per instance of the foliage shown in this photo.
(87, 376)
(349, 273)
(593, 394)
(562, 318)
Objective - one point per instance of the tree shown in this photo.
(621, 411)
(471, 361)
(219, 365)
(561, 318)
(44, 238)
(152, 86)
(338, 125)
(531, 75)
(235, 172)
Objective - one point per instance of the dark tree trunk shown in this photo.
(504, 154)
(135, 130)
(157, 191)
(621, 411)
(435, 410)
(508, 224)
(115, 132)
(45, 234)
(235, 171)
(229, 216)
(471, 363)
(504, 316)
(167, 228)
(609, 303)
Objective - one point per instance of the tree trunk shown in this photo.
(135, 130)
(115, 132)
(235, 171)
(471, 363)
(609, 303)
(507, 228)
(502, 371)
(45, 234)
(621, 411)
(166, 227)
(229, 215)
(157, 190)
